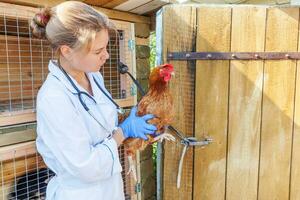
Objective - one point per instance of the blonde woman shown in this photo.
(78, 133)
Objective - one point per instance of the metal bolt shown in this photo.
(170, 55)
(233, 55)
(256, 56)
(187, 55)
(209, 56)
(287, 55)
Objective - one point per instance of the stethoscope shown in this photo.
(80, 95)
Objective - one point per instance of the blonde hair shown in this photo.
(70, 23)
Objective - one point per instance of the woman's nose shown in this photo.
(106, 54)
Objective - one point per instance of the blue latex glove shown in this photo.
(137, 127)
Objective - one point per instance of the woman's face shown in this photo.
(93, 60)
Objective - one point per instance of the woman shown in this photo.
(78, 138)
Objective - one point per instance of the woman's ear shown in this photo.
(66, 51)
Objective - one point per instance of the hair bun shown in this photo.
(39, 22)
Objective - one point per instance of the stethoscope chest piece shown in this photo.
(121, 111)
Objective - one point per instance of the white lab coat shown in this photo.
(69, 140)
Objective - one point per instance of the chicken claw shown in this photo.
(164, 136)
(132, 168)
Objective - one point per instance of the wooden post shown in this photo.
(246, 79)
(278, 105)
(179, 24)
(211, 103)
(295, 162)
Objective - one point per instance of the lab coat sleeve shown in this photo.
(62, 129)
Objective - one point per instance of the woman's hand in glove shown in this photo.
(137, 127)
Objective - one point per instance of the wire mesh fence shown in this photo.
(23, 68)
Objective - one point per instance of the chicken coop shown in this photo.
(23, 68)
(236, 81)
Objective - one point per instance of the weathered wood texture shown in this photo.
(250, 108)
(179, 27)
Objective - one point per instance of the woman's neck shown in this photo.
(79, 76)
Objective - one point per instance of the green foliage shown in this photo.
(152, 49)
(152, 64)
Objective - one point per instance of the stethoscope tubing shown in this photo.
(80, 93)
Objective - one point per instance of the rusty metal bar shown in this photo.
(233, 56)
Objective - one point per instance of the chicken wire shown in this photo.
(24, 65)
(23, 62)
(23, 68)
(24, 175)
(175, 32)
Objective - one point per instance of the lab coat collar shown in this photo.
(56, 71)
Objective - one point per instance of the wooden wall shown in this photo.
(271, 2)
(249, 108)
(112, 14)
(178, 34)
(11, 61)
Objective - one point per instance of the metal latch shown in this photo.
(192, 141)
(187, 142)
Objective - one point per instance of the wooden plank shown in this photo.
(152, 5)
(246, 78)
(126, 102)
(295, 170)
(142, 30)
(179, 29)
(131, 4)
(12, 10)
(17, 167)
(17, 137)
(10, 171)
(278, 105)
(124, 16)
(112, 14)
(17, 151)
(96, 2)
(270, 2)
(113, 3)
(18, 118)
(142, 41)
(211, 103)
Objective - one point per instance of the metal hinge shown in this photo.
(123, 94)
(131, 45)
(121, 35)
(233, 55)
(137, 187)
(133, 90)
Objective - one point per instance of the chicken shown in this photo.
(158, 101)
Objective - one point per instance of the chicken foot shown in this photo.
(132, 168)
(164, 136)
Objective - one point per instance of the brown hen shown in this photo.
(158, 101)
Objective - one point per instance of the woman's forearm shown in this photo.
(118, 136)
